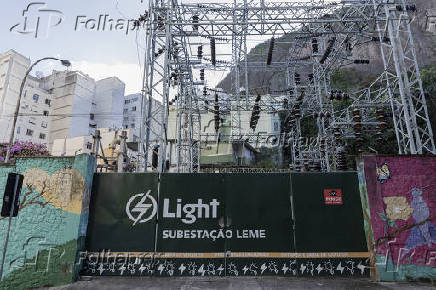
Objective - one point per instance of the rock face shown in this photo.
(425, 44)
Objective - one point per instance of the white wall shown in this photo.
(109, 97)
(13, 67)
(36, 107)
(72, 105)
(132, 115)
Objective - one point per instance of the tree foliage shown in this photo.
(24, 149)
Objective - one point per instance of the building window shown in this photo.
(134, 109)
(92, 126)
(44, 124)
(18, 130)
(126, 102)
(89, 145)
(29, 132)
(91, 116)
(132, 125)
(42, 136)
(125, 111)
(48, 102)
(36, 98)
(45, 113)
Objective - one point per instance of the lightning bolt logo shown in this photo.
(142, 207)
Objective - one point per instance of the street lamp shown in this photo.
(64, 62)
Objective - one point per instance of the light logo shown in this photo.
(145, 209)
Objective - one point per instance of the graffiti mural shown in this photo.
(401, 194)
(228, 267)
(51, 221)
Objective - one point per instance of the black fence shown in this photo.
(226, 225)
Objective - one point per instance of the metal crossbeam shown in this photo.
(175, 30)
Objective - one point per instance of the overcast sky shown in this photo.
(98, 53)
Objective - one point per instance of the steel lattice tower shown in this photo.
(174, 31)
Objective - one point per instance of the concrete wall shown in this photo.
(399, 204)
(51, 224)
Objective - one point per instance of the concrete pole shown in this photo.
(97, 138)
(122, 152)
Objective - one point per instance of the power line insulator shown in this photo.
(195, 20)
(200, 51)
(160, 23)
(315, 48)
(361, 61)
(329, 50)
(297, 78)
(217, 114)
(270, 51)
(155, 156)
(255, 115)
(213, 51)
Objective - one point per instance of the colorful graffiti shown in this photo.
(401, 194)
(230, 267)
(51, 223)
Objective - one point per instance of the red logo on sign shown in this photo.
(333, 196)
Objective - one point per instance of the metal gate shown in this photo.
(226, 225)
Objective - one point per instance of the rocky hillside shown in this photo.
(425, 43)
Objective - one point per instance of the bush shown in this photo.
(24, 149)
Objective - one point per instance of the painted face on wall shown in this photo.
(383, 173)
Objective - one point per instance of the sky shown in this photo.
(99, 54)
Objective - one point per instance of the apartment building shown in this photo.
(35, 110)
(63, 105)
(268, 125)
(132, 116)
(109, 97)
(33, 124)
(73, 104)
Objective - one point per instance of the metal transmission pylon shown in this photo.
(402, 77)
(167, 65)
(175, 31)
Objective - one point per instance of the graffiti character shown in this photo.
(424, 234)
(383, 173)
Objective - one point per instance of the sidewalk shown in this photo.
(242, 283)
